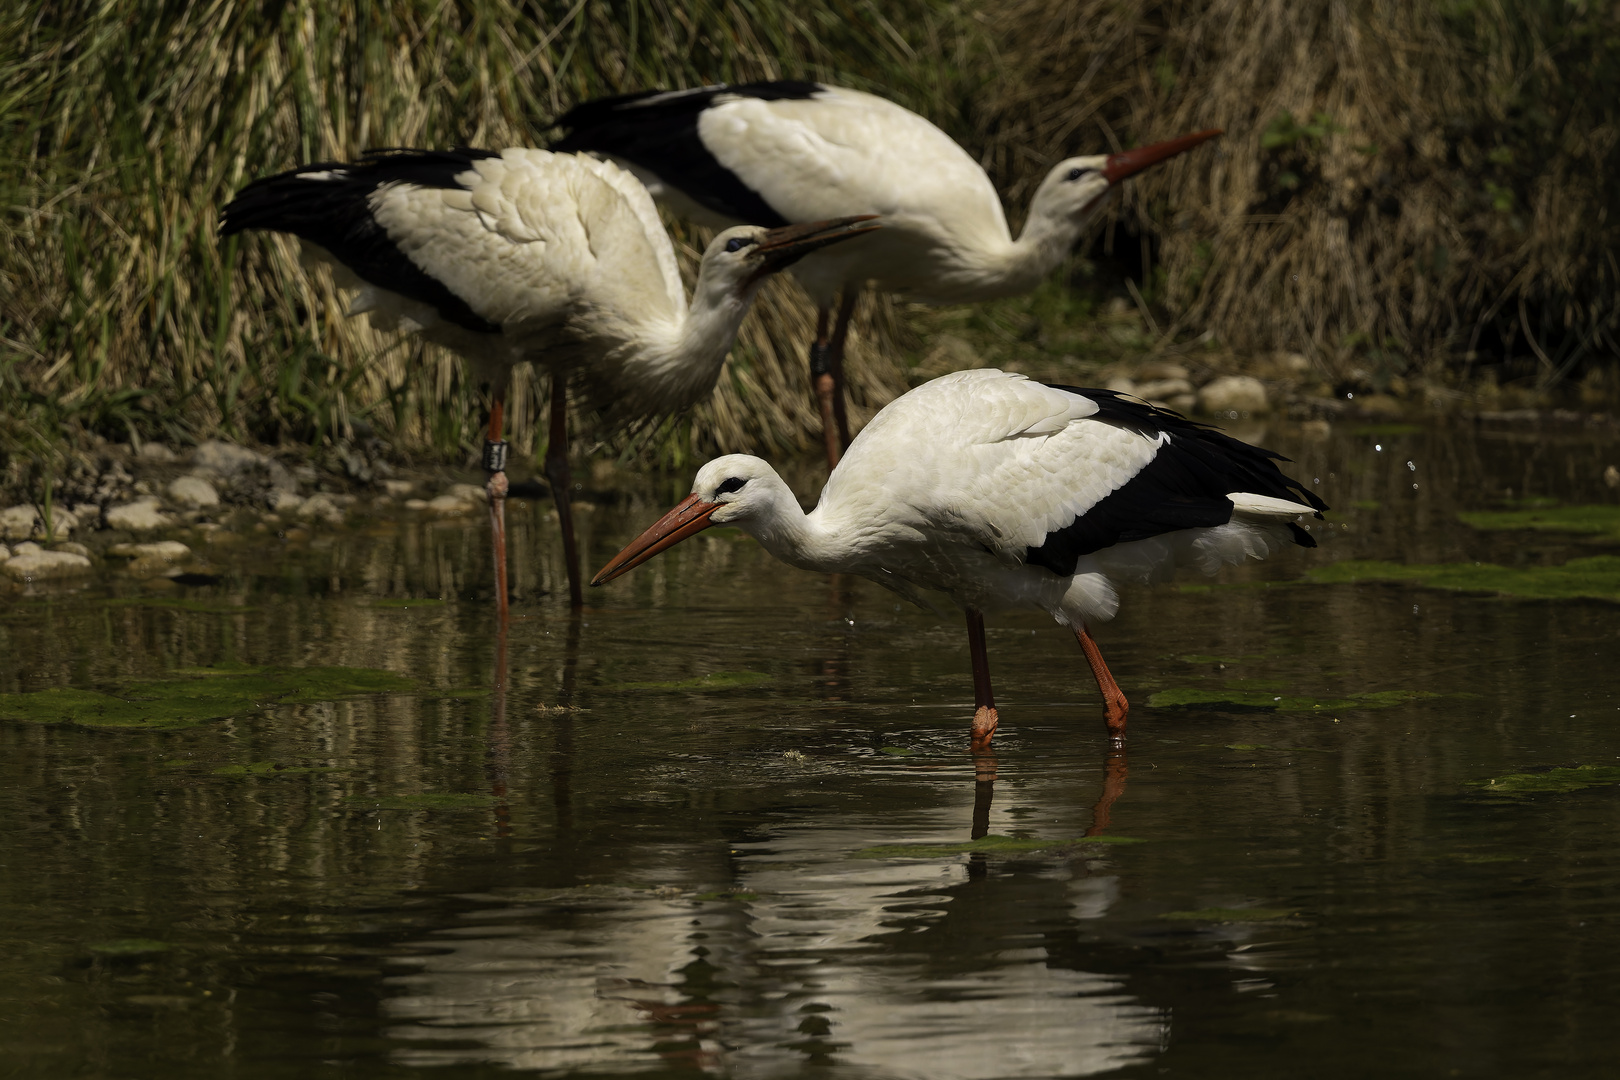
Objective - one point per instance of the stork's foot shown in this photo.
(1118, 708)
(984, 726)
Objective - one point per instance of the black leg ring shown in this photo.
(494, 456)
(818, 359)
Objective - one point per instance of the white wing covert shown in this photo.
(1021, 460)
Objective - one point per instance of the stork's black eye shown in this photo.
(737, 243)
(730, 484)
(1077, 172)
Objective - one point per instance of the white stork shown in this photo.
(1002, 492)
(530, 255)
(770, 153)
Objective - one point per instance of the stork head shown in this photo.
(745, 255)
(737, 489)
(1077, 188)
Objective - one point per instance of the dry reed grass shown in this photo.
(1401, 184)
(127, 128)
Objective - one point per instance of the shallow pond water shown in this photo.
(725, 821)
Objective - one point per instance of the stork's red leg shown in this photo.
(1113, 697)
(495, 465)
(562, 485)
(835, 365)
(822, 386)
(984, 703)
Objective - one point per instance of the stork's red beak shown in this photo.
(783, 247)
(690, 517)
(1130, 162)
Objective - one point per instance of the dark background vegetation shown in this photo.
(1406, 191)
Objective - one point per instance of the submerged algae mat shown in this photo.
(1550, 781)
(1595, 578)
(194, 695)
(1601, 521)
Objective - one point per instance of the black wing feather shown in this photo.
(1183, 487)
(657, 130)
(335, 212)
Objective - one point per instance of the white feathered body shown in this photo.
(563, 256)
(951, 486)
(837, 151)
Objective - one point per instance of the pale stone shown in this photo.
(1163, 370)
(44, 565)
(141, 515)
(470, 492)
(63, 521)
(1183, 403)
(321, 507)
(193, 491)
(167, 550)
(285, 502)
(26, 548)
(398, 488)
(1163, 389)
(416, 504)
(1121, 384)
(17, 522)
(451, 504)
(5, 553)
(280, 478)
(73, 549)
(1229, 394)
(224, 458)
(1611, 476)
(156, 452)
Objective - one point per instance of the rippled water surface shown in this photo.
(673, 842)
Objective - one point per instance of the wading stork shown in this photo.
(771, 153)
(1002, 493)
(525, 254)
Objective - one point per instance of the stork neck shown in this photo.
(993, 267)
(1046, 240)
(791, 535)
(681, 364)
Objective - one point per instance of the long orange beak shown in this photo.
(690, 517)
(1129, 162)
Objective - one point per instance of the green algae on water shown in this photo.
(1549, 781)
(718, 680)
(1003, 845)
(1239, 698)
(1595, 578)
(193, 696)
(1592, 520)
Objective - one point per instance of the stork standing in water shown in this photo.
(521, 255)
(1004, 493)
(770, 153)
